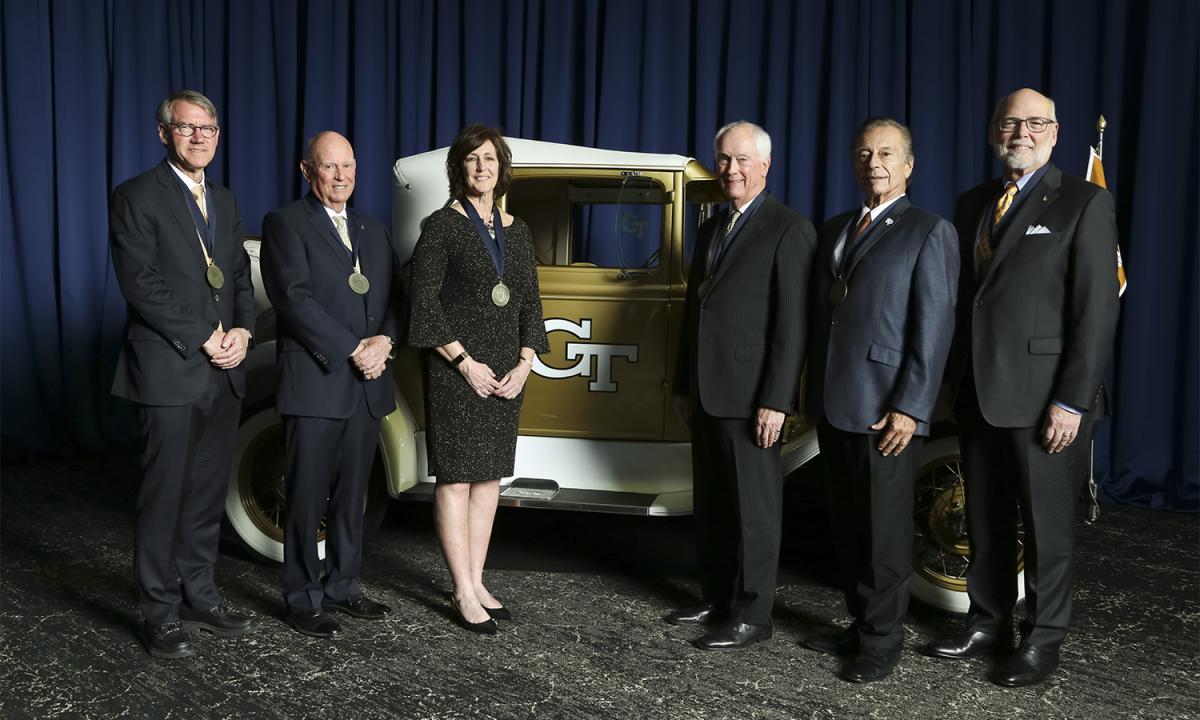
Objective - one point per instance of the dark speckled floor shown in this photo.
(588, 591)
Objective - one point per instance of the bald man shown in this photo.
(1036, 322)
(327, 270)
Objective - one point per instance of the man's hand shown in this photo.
(513, 381)
(767, 425)
(233, 349)
(479, 376)
(1060, 430)
(898, 430)
(370, 357)
(212, 345)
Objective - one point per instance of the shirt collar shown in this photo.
(187, 180)
(877, 211)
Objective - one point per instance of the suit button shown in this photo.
(978, 303)
(833, 324)
(704, 306)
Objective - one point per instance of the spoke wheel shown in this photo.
(941, 550)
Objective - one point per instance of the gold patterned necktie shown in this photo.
(198, 193)
(983, 253)
(340, 223)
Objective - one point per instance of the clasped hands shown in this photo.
(371, 355)
(483, 381)
(227, 349)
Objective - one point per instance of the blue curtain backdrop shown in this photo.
(81, 80)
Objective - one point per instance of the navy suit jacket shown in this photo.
(1039, 326)
(305, 271)
(742, 342)
(161, 271)
(885, 347)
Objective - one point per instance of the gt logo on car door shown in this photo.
(584, 353)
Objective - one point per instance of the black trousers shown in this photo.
(870, 499)
(329, 464)
(737, 492)
(185, 468)
(1007, 469)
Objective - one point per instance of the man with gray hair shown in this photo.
(1037, 319)
(740, 351)
(176, 243)
(883, 292)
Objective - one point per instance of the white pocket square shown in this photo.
(1037, 230)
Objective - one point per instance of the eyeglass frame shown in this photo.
(178, 127)
(1018, 121)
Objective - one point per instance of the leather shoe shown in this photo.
(359, 607)
(168, 640)
(969, 644)
(871, 664)
(693, 615)
(734, 636)
(220, 621)
(499, 613)
(314, 623)
(484, 627)
(1029, 665)
(843, 642)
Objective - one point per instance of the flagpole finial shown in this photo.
(1101, 124)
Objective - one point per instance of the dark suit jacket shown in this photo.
(885, 347)
(742, 342)
(161, 271)
(305, 271)
(1039, 326)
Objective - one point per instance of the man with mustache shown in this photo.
(1037, 318)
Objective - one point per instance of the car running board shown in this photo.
(541, 493)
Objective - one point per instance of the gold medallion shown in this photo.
(359, 283)
(500, 295)
(215, 277)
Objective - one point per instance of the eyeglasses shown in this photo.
(1035, 124)
(209, 131)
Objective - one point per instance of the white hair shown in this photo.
(762, 141)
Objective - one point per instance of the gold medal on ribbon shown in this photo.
(359, 283)
(837, 293)
(500, 294)
(215, 277)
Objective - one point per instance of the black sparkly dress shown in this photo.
(471, 438)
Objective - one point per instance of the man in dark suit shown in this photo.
(740, 352)
(176, 243)
(1037, 317)
(327, 270)
(882, 292)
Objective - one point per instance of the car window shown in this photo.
(702, 198)
(607, 222)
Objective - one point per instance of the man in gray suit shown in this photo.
(740, 352)
(883, 292)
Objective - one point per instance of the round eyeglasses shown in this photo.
(206, 131)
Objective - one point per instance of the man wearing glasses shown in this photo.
(1037, 318)
(176, 244)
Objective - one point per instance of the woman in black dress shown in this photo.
(475, 306)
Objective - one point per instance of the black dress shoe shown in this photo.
(843, 642)
(314, 623)
(220, 621)
(499, 613)
(359, 607)
(694, 615)
(734, 636)
(969, 644)
(871, 664)
(168, 640)
(486, 627)
(1029, 665)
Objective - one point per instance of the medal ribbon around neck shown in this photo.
(495, 247)
(358, 282)
(205, 234)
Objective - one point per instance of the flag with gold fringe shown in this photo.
(1095, 174)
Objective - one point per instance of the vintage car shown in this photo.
(613, 232)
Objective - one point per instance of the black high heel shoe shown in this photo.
(498, 613)
(487, 627)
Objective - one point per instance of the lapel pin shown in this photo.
(1045, 198)
(887, 222)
